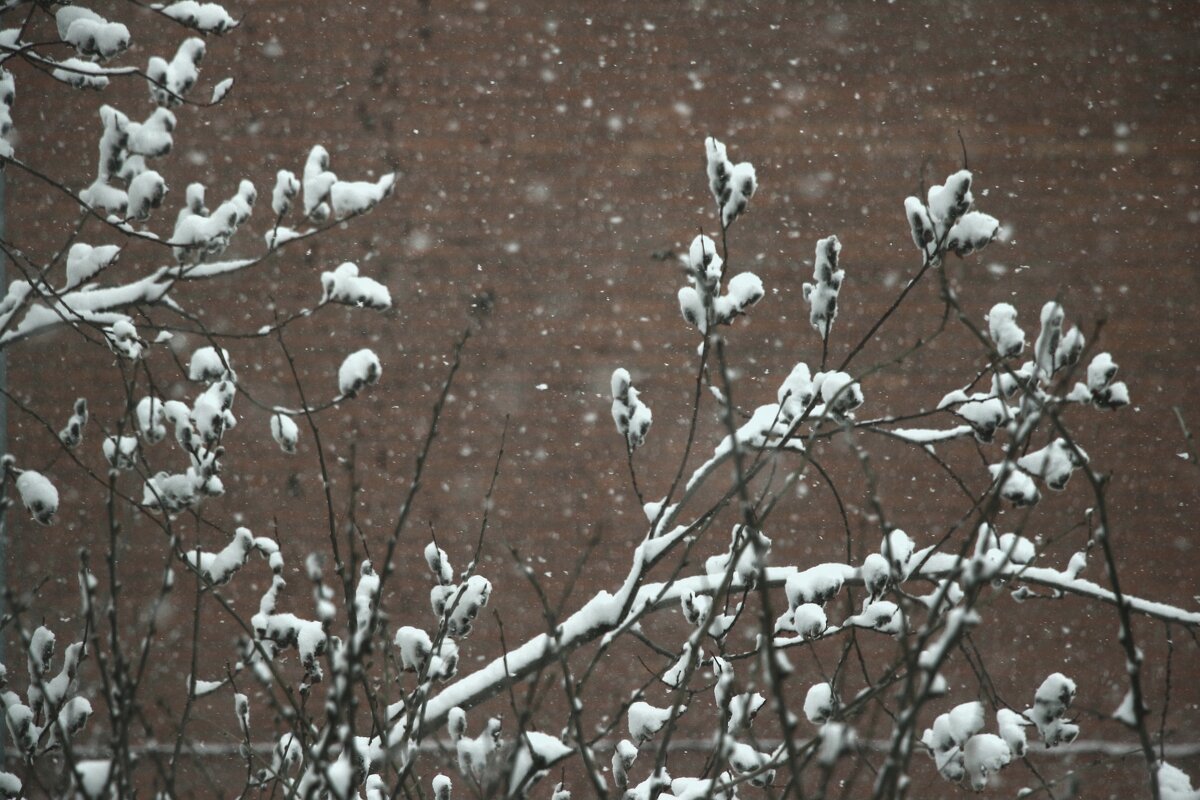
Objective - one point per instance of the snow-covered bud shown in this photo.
(120, 451)
(691, 306)
(1069, 349)
(744, 758)
(974, 231)
(203, 17)
(646, 720)
(359, 370)
(1105, 392)
(38, 495)
(456, 723)
(819, 703)
(285, 432)
(318, 180)
(795, 393)
(817, 584)
(152, 138)
(718, 168)
(704, 264)
(837, 739)
(1011, 727)
(441, 787)
(809, 620)
(745, 289)
(1017, 548)
(1046, 346)
(209, 366)
(146, 193)
(624, 755)
(286, 188)
(344, 285)
(898, 548)
(984, 755)
(881, 615)
(91, 34)
(822, 294)
(1015, 486)
(149, 413)
(1050, 704)
(631, 415)
(1003, 328)
(415, 646)
(841, 393)
(876, 575)
(72, 434)
(123, 339)
(73, 717)
(350, 198)
(1054, 463)
(241, 710)
(439, 564)
(84, 262)
(471, 598)
(742, 185)
(983, 412)
(948, 202)
(439, 598)
(695, 607)
(169, 82)
(920, 225)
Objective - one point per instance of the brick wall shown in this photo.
(548, 153)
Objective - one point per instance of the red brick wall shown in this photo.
(547, 152)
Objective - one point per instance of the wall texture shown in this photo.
(551, 155)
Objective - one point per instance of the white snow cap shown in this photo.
(1050, 704)
(1003, 328)
(358, 197)
(344, 285)
(84, 261)
(974, 231)
(1054, 463)
(984, 755)
(646, 720)
(951, 200)
(1015, 486)
(285, 432)
(631, 415)
(149, 419)
(920, 225)
(286, 188)
(818, 703)
(841, 393)
(171, 81)
(795, 393)
(318, 180)
(359, 370)
(208, 366)
(1105, 393)
(204, 17)
(732, 185)
(38, 495)
(822, 294)
(91, 34)
(120, 451)
(816, 584)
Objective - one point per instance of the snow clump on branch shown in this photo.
(359, 370)
(822, 294)
(631, 415)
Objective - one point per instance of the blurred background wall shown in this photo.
(551, 158)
